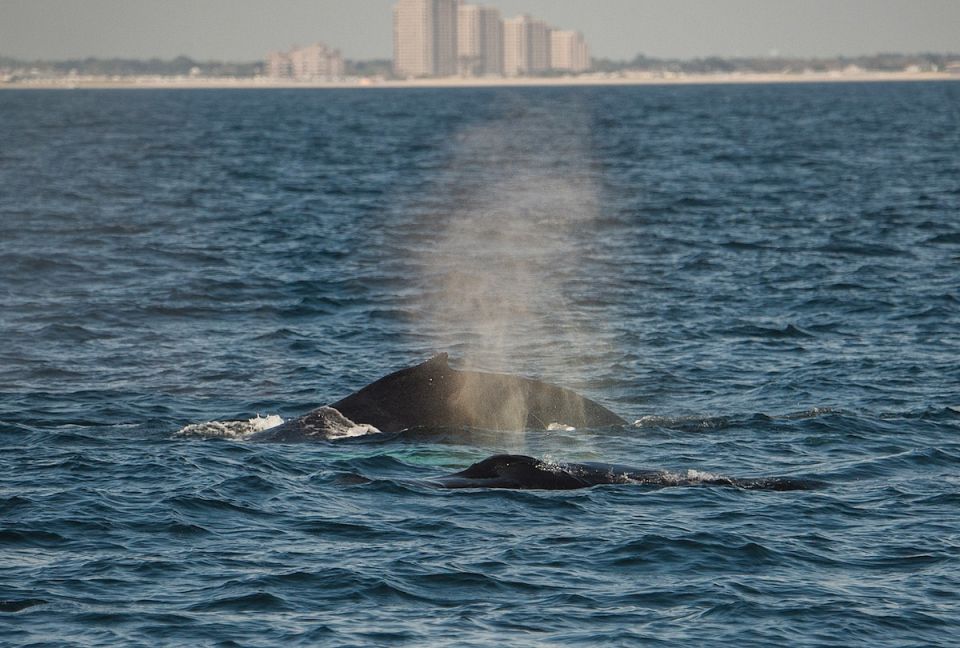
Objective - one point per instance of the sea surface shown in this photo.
(763, 280)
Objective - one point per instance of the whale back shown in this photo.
(432, 394)
(522, 472)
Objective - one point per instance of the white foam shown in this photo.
(698, 422)
(813, 412)
(560, 427)
(338, 426)
(238, 430)
(549, 462)
(702, 476)
(651, 421)
(325, 422)
(670, 478)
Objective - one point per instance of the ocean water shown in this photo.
(766, 279)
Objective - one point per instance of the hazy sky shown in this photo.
(242, 30)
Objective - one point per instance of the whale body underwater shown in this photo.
(432, 395)
(522, 472)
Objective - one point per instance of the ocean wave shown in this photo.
(140, 297)
(771, 332)
(253, 602)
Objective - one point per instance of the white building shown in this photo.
(568, 51)
(425, 38)
(526, 46)
(278, 65)
(438, 38)
(315, 62)
(516, 46)
(539, 46)
(479, 41)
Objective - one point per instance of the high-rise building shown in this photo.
(492, 41)
(315, 62)
(516, 44)
(468, 39)
(425, 38)
(526, 46)
(433, 38)
(539, 46)
(568, 51)
(479, 41)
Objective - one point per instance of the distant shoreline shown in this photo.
(626, 79)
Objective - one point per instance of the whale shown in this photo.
(528, 473)
(434, 395)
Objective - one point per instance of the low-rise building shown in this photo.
(316, 62)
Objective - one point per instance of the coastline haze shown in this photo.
(245, 30)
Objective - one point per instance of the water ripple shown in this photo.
(762, 277)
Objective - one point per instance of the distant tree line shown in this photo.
(183, 66)
(778, 64)
(180, 66)
(370, 68)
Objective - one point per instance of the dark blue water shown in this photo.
(765, 278)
